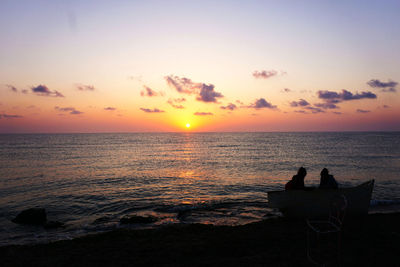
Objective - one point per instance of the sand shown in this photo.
(370, 241)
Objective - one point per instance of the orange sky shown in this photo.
(132, 67)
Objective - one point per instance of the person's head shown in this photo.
(324, 172)
(302, 172)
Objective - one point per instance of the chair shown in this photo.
(322, 247)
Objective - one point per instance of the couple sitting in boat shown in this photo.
(297, 182)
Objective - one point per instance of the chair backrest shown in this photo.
(338, 210)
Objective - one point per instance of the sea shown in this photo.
(90, 181)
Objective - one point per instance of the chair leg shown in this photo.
(339, 248)
(309, 249)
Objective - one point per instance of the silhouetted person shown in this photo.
(297, 182)
(327, 180)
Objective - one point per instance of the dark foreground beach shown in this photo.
(370, 241)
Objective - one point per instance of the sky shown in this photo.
(219, 66)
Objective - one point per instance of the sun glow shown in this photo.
(187, 125)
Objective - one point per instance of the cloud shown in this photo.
(176, 102)
(67, 109)
(384, 86)
(337, 113)
(135, 78)
(12, 88)
(301, 111)
(182, 85)
(300, 103)
(239, 102)
(264, 74)
(42, 90)
(8, 116)
(149, 92)
(330, 103)
(24, 91)
(262, 103)
(344, 95)
(203, 113)
(327, 105)
(179, 100)
(205, 92)
(385, 106)
(83, 87)
(363, 111)
(110, 108)
(314, 110)
(71, 110)
(148, 110)
(286, 90)
(230, 106)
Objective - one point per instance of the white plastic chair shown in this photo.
(324, 232)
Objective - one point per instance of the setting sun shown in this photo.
(187, 125)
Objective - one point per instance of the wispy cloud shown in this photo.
(203, 114)
(182, 85)
(230, 106)
(149, 92)
(42, 90)
(326, 105)
(315, 110)
(135, 78)
(71, 110)
(363, 111)
(12, 88)
(286, 90)
(175, 102)
(300, 103)
(84, 87)
(262, 103)
(8, 116)
(266, 74)
(155, 110)
(205, 92)
(110, 108)
(384, 86)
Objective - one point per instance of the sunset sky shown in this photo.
(154, 66)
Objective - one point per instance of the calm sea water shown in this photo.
(90, 181)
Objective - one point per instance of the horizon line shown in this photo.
(202, 132)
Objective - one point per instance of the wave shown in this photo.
(384, 202)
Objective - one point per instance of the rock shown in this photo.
(53, 224)
(35, 216)
(137, 219)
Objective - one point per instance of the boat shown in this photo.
(313, 203)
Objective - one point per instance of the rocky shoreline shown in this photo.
(370, 241)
